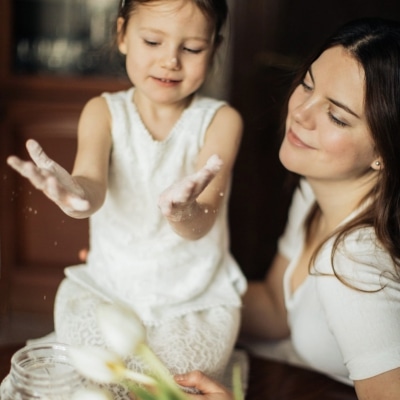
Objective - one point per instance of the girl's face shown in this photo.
(327, 136)
(168, 46)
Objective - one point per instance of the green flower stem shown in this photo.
(139, 378)
(237, 383)
(167, 385)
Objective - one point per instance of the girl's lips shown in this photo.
(295, 140)
(166, 82)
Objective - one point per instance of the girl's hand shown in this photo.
(208, 388)
(53, 180)
(177, 201)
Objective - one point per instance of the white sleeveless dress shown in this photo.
(188, 293)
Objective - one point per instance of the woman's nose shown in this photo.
(304, 113)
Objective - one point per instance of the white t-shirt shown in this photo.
(345, 333)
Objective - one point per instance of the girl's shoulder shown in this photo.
(95, 108)
(221, 109)
(201, 101)
(120, 96)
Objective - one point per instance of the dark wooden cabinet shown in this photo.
(37, 240)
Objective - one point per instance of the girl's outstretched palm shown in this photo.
(52, 179)
(176, 202)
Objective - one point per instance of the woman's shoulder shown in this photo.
(360, 260)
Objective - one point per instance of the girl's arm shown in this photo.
(192, 205)
(93, 155)
(83, 192)
(264, 313)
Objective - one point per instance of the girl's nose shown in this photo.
(171, 62)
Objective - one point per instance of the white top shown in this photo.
(345, 333)
(135, 256)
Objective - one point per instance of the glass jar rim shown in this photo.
(33, 363)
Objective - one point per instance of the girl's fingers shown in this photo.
(214, 164)
(207, 173)
(28, 170)
(37, 154)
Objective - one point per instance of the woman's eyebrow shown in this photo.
(335, 102)
(344, 107)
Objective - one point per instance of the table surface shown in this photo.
(268, 380)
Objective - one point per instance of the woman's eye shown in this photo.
(336, 120)
(305, 86)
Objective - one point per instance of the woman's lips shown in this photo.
(296, 141)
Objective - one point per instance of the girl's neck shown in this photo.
(159, 119)
(159, 110)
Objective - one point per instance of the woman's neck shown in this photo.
(337, 200)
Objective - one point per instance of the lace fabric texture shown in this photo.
(201, 340)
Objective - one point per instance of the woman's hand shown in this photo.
(208, 388)
(53, 180)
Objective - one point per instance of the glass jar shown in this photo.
(41, 371)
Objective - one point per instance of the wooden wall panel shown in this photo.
(44, 239)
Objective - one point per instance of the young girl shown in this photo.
(152, 172)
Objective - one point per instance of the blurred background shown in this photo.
(56, 54)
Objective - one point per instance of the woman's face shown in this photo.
(327, 136)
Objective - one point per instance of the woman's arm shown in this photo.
(264, 313)
(385, 386)
(192, 205)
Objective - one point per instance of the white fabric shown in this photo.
(187, 293)
(201, 340)
(134, 254)
(345, 333)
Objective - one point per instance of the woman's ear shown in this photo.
(377, 164)
(121, 35)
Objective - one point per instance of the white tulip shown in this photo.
(121, 328)
(98, 364)
(104, 366)
(91, 394)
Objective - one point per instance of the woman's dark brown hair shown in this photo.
(375, 45)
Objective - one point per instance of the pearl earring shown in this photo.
(378, 163)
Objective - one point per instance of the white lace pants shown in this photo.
(202, 340)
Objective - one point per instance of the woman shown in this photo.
(334, 285)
